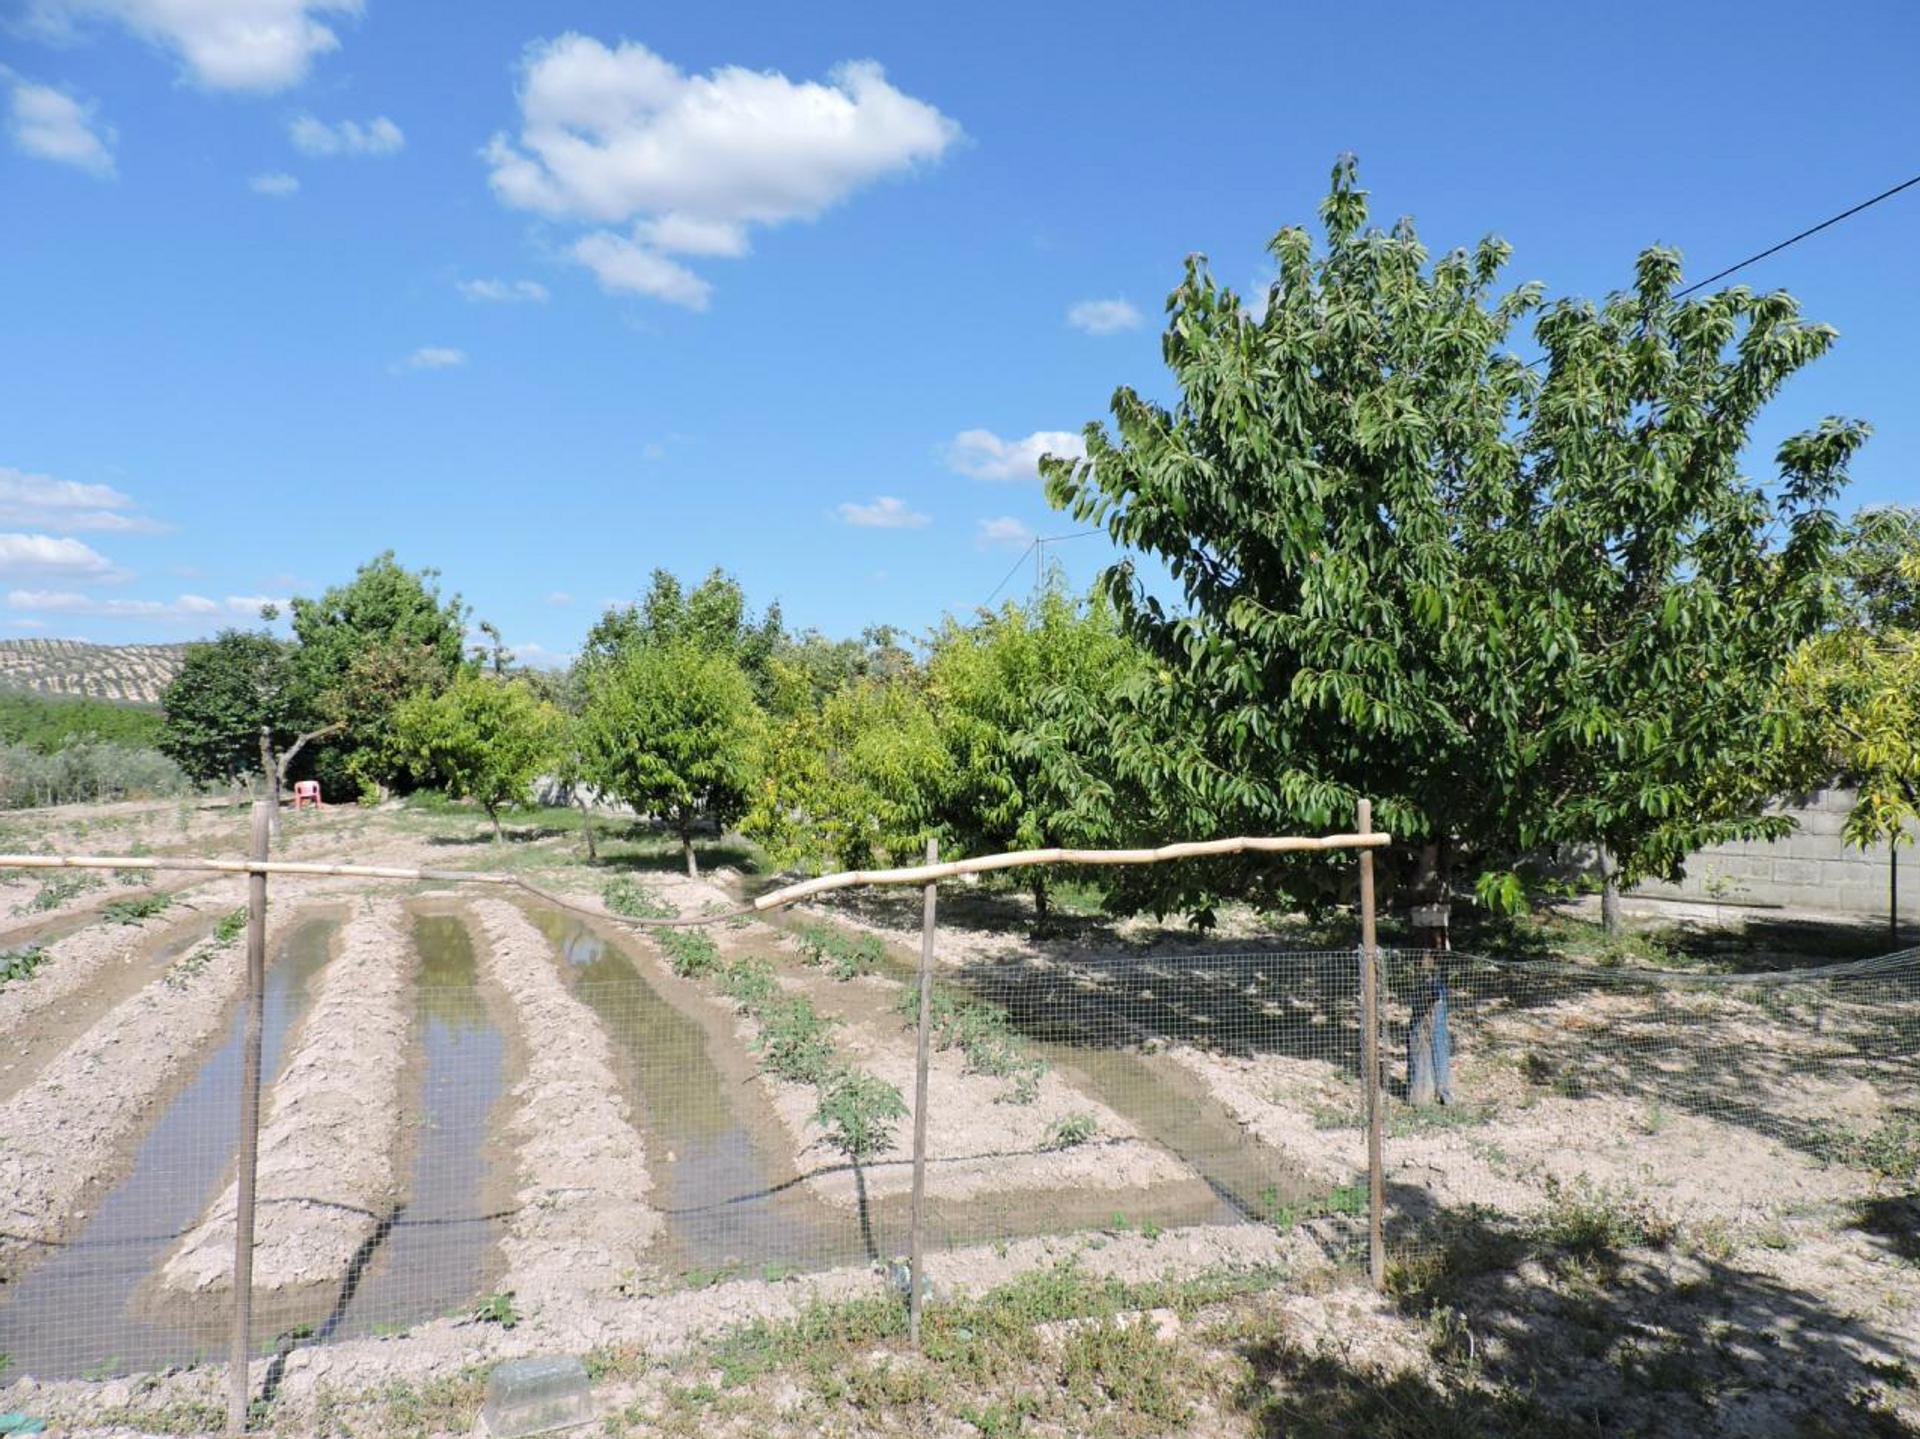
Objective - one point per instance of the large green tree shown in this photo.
(226, 689)
(1516, 605)
(712, 616)
(364, 648)
(672, 730)
(483, 737)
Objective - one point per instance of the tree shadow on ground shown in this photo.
(1568, 1329)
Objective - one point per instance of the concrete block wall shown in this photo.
(1812, 868)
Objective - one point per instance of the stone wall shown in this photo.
(1810, 869)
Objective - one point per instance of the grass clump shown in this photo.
(625, 896)
(17, 965)
(845, 956)
(1891, 1149)
(136, 908)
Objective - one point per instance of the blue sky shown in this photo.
(546, 296)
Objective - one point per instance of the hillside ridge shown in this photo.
(127, 674)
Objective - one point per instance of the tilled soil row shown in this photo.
(580, 1219)
(84, 972)
(63, 1135)
(980, 1142)
(327, 1142)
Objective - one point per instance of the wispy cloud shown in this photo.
(1002, 533)
(42, 502)
(887, 512)
(1103, 317)
(51, 125)
(504, 292)
(985, 456)
(558, 597)
(275, 183)
(434, 357)
(48, 556)
(180, 608)
(258, 45)
(378, 136)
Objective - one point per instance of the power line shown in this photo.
(1791, 240)
(1039, 542)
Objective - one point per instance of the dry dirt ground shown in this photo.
(1647, 1213)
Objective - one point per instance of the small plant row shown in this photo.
(845, 956)
(136, 908)
(858, 1110)
(690, 952)
(57, 891)
(19, 964)
(226, 929)
(984, 1035)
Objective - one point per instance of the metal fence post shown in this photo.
(249, 1146)
(917, 1238)
(1370, 1058)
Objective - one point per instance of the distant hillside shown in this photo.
(128, 674)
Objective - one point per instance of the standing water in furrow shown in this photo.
(71, 1315)
(727, 1207)
(433, 1255)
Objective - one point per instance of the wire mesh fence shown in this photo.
(479, 1113)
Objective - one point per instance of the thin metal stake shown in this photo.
(1370, 1059)
(249, 1155)
(917, 1238)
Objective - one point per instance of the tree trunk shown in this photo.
(686, 845)
(1039, 886)
(270, 771)
(499, 834)
(1609, 893)
(586, 826)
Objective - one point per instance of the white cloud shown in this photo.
(44, 555)
(435, 357)
(885, 513)
(620, 136)
(67, 506)
(225, 44)
(504, 292)
(55, 126)
(379, 136)
(619, 264)
(277, 183)
(986, 456)
(559, 597)
(182, 607)
(1003, 533)
(1103, 317)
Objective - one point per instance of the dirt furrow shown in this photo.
(63, 1137)
(85, 974)
(581, 1219)
(331, 1124)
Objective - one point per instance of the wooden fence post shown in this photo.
(1370, 1059)
(247, 1164)
(916, 1239)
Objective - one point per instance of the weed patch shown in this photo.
(136, 908)
(18, 965)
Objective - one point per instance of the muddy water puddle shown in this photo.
(431, 1256)
(731, 1205)
(73, 1314)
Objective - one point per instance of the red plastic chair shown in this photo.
(306, 792)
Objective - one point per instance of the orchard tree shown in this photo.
(484, 738)
(853, 780)
(672, 730)
(226, 689)
(1021, 700)
(713, 616)
(364, 648)
(1518, 607)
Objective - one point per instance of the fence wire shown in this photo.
(480, 1111)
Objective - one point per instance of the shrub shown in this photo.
(844, 955)
(19, 964)
(858, 1111)
(793, 1042)
(690, 952)
(1070, 1130)
(137, 908)
(624, 896)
